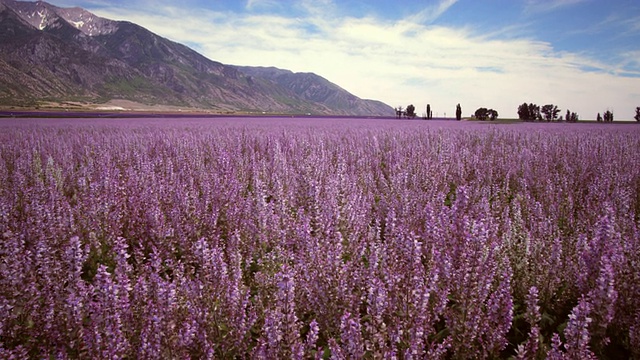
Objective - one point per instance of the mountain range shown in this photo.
(54, 54)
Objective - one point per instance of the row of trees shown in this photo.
(480, 114)
(526, 112)
(533, 112)
(608, 116)
(409, 112)
(549, 112)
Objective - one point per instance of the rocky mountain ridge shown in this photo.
(315, 88)
(69, 54)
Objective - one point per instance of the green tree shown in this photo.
(493, 114)
(599, 118)
(458, 112)
(571, 116)
(411, 111)
(429, 113)
(523, 112)
(637, 117)
(550, 112)
(482, 114)
(399, 112)
(486, 114)
(529, 112)
(608, 116)
(534, 112)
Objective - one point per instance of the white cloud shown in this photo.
(543, 6)
(401, 62)
(261, 4)
(631, 59)
(431, 13)
(631, 25)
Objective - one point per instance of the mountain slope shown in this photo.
(196, 79)
(47, 52)
(318, 89)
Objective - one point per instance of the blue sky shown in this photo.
(578, 54)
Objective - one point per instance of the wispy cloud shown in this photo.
(616, 23)
(631, 25)
(544, 6)
(252, 4)
(631, 60)
(432, 13)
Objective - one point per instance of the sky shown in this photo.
(582, 55)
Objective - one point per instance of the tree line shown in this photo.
(550, 112)
(410, 112)
(526, 112)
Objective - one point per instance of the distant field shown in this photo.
(309, 237)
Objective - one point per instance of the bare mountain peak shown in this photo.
(42, 15)
(87, 22)
(38, 14)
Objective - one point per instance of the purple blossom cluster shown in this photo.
(322, 238)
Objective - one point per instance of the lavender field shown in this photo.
(318, 238)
